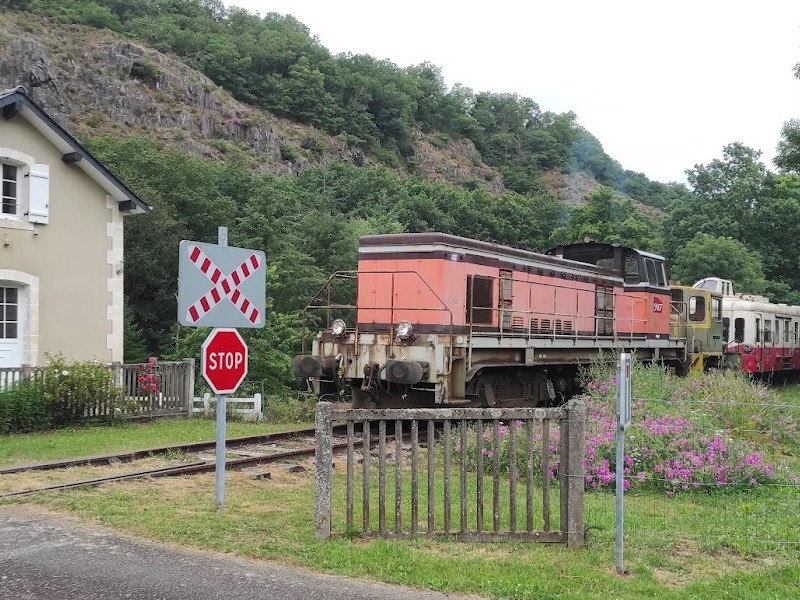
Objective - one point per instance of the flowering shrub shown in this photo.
(147, 378)
(679, 441)
(683, 438)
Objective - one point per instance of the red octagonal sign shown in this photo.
(224, 360)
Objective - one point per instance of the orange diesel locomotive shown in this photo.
(441, 320)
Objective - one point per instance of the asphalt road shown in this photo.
(47, 556)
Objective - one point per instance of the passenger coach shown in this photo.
(759, 337)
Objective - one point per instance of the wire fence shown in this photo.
(721, 474)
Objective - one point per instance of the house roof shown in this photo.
(16, 102)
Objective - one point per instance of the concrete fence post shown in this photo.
(576, 529)
(324, 470)
(259, 416)
(188, 385)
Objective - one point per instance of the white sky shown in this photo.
(663, 85)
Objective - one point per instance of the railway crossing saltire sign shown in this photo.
(221, 286)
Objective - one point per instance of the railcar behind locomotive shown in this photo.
(441, 320)
(760, 337)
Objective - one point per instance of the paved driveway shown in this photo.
(46, 556)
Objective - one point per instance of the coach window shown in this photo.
(738, 330)
(480, 299)
(697, 308)
(716, 309)
(767, 330)
(726, 329)
(758, 330)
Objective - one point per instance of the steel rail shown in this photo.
(190, 469)
(146, 453)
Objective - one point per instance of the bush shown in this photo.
(288, 409)
(74, 392)
(145, 71)
(23, 408)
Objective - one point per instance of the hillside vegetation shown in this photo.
(217, 116)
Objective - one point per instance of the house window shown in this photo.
(24, 190)
(10, 197)
(8, 313)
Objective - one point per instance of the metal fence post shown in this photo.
(576, 413)
(324, 470)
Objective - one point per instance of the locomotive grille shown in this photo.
(564, 327)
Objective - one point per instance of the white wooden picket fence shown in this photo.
(249, 409)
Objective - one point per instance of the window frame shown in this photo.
(24, 163)
(16, 197)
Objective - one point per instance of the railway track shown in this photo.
(259, 455)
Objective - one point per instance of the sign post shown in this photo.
(224, 365)
(224, 288)
(623, 420)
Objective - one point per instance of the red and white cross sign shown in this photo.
(225, 286)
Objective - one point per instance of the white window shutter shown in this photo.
(39, 197)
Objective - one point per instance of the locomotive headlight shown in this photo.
(404, 330)
(338, 328)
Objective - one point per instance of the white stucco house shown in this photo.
(61, 242)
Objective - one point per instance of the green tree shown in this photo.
(724, 201)
(716, 256)
(605, 218)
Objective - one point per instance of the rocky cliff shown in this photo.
(96, 82)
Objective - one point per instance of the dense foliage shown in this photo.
(275, 63)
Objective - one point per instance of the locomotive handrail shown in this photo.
(354, 275)
(310, 306)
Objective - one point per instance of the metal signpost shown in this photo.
(623, 420)
(224, 288)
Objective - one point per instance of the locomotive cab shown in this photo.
(696, 315)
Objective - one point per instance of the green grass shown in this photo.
(693, 545)
(108, 439)
(665, 556)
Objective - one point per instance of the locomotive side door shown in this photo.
(505, 298)
(604, 310)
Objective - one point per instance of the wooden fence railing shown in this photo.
(174, 388)
(507, 462)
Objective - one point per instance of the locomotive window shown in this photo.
(738, 330)
(726, 329)
(697, 308)
(655, 272)
(480, 299)
(716, 309)
(632, 270)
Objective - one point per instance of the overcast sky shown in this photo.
(663, 85)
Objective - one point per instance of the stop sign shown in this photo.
(224, 360)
